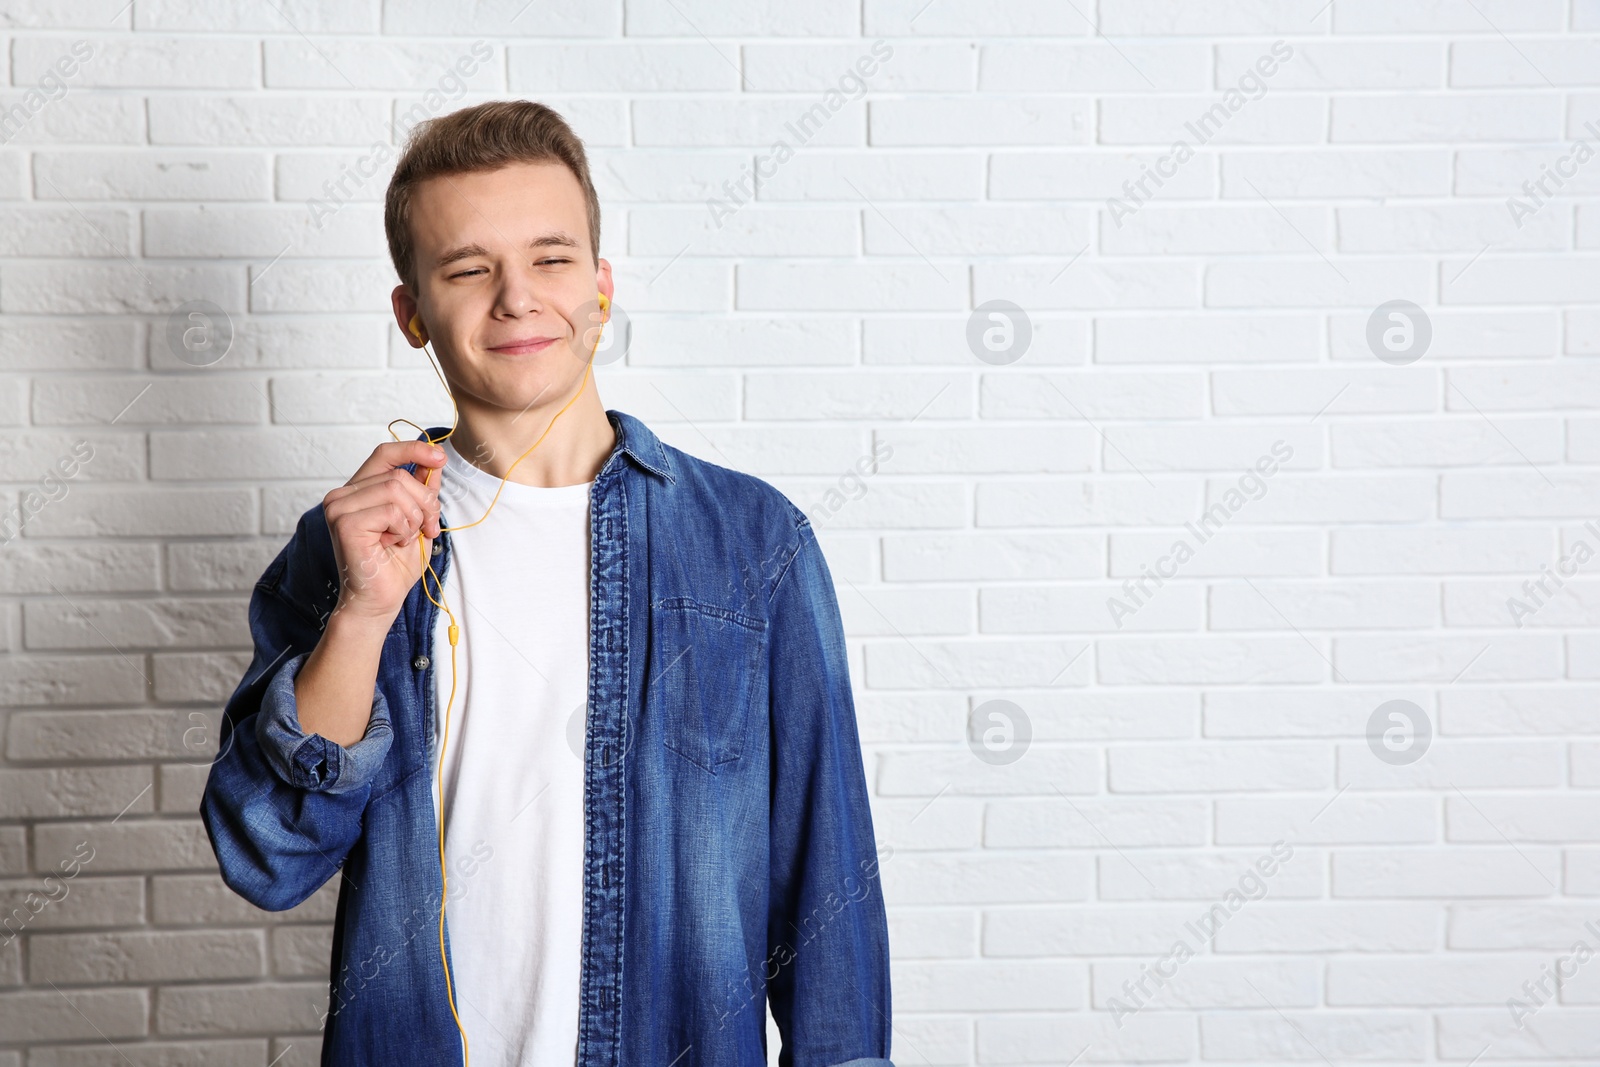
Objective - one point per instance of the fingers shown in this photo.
(393, 504)
(399, 486)
(394, 454)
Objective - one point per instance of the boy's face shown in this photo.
(506, 283)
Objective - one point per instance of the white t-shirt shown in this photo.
(513, 762)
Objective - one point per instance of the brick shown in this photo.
(192, 15)
(290, 1006)
(1070, 67)
(1332, 927)
(1342, 65)
(1187, 769)
(1208, 983)
(1456, 765)
(203, 900)
(54, 624)
(1565, 1034)
(81, 1014)
(94, 735)
(930, 773)
(1274, 1036)
(1449, 873)
(1311, 391)
(276, 120)
(1163, 120)
(456, 66)
(1382, 118)
(1316, 173)
(1038, 175)
(66, 345)
(827, 395)
(1447, 550)
(754, 231)
(1083, 931)
(145, 62)
(30, 905)
(1090, 823)
(887, 17)
(115, 289)
(756, 124)
(1039, 1037)
(1398, 981)
(915, 878)
(1444, 16)
(1184, 876)
(184, 955)
(1341, 819)
(994, 556)
(101, 512)
(1018, 120)
(67, 792)
(1090, 396)
(130, 845)
(966, 985)
(937, 934)
(1207, 338)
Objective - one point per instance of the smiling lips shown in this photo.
(524, 346)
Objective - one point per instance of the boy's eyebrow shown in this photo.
(555, 238)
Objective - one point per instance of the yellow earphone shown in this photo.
(417, 330)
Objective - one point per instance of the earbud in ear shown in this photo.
(416, 328)
(605, 303)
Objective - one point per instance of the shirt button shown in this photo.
(420, 663)
(438, 546)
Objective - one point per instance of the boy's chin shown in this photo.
(530, 393)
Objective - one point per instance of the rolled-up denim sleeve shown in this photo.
(282, 808)
(827, 931)
(311, 761)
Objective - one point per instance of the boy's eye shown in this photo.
(541, 263)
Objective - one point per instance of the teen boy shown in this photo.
(654, 810)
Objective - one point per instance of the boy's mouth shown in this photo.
(523, 346)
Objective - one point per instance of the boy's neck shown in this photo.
(574, 450)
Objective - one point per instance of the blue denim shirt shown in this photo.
(729, 855)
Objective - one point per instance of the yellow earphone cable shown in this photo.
(454, 630)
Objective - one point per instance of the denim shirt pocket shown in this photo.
(706, 662)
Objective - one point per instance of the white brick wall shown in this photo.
(1222, 304)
